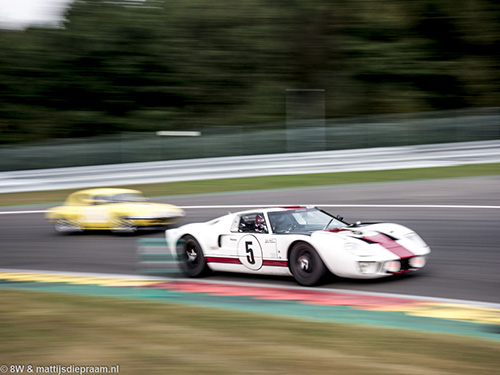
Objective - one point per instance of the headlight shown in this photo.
(168, 213)
(368, 267)
(412, 236)
(392, 266)
(357, 249)
(417, 262)
(173, 213)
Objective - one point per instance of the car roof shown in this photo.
(78, 197)
(106, 191)
(273, 209)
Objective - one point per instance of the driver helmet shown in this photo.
(260, 223)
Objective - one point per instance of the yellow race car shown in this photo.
(118, 210)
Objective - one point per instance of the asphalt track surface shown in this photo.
(464, 264)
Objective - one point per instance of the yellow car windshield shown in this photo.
(127, 197)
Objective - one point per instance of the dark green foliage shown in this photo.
(119, 66)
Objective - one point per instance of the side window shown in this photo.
(236, 224)
(100, 199)
(252, 223)
(283, 222)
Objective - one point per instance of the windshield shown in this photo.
(128, 197)
(302, 220)
(118, 198)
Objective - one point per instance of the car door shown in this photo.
(249, 242)
(96, 214)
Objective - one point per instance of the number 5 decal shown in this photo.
(250, 256)
(250, 252)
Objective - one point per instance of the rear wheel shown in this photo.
(62, 225)
(306, 265)
(192, 258)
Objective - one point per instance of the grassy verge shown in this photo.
(270, 182)
(44, 329)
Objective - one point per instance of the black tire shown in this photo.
(306, 265)
(65, 226)
(121, 225)
(192, 259)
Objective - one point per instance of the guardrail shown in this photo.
(250, 166)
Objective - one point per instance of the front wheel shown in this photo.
(306, 265)
(121, 225)
(192, 258)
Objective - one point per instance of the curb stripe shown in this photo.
(469, 312)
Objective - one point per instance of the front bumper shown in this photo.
(141, 221)
(391, 267)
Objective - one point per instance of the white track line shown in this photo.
(304, 205)
(347, 205)
(20, 212)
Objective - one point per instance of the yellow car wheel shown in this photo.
(62, 225)
(121, 225)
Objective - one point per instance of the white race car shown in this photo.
(303, 242)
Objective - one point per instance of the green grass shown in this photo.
(269, 182)
(40, 329)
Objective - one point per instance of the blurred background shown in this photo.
(87, 82)
(96, 81)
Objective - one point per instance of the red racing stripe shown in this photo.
(391, 245)
(223, 260)
(273, 263)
